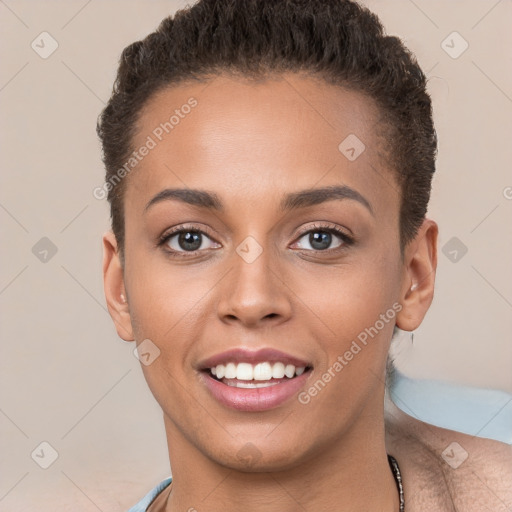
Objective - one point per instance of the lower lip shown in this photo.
(255, 399)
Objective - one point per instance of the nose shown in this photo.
(255, 292)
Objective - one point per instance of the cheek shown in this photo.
(355, 310)
(161, 294)
(342, 301)
(353, 315)
(165, 303)
(171, 305)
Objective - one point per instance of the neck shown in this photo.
(350, 474)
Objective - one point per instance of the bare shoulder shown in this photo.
(445, 470)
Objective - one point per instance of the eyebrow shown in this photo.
(292, 201)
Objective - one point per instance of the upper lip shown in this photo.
(243, 355)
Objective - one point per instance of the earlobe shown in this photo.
(420, 263)
(113, 283)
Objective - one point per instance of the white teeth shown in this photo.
(230, 371)
(220, 370)
(259, 372)
(289, 370)
(278, 371)
(263, 371)
(244, 371)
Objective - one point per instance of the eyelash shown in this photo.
(346, 239)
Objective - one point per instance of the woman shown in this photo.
(269, 167)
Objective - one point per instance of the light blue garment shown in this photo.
(475, 411)
(143, 504)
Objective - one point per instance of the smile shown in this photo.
(254, 381)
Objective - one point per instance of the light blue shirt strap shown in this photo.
(142, 505)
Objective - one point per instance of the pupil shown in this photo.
(320, 240)
(190, 240)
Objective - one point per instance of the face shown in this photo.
(278, 253)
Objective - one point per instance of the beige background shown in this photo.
(65, 376)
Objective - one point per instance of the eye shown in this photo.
(186, 240)
(321, 238)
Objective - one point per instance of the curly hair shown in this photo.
(339, 41)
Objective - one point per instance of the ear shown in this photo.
(113, 283)
(419, 273)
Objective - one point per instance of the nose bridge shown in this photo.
(255, 290)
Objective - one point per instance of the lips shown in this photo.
(254, 380)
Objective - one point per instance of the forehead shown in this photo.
(259, 138)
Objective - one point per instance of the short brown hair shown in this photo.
(338, 40)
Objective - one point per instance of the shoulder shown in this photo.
(446, 470)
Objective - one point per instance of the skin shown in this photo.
(252, 143)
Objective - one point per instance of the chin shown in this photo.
(260, 458)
